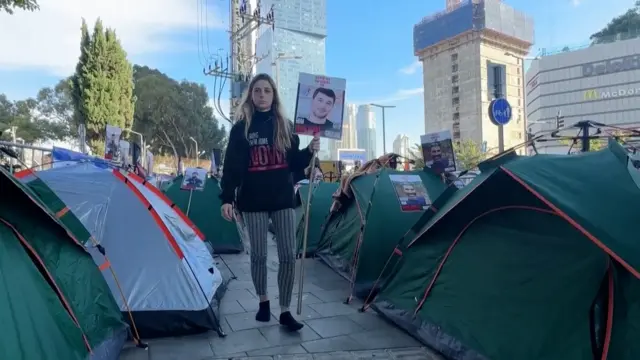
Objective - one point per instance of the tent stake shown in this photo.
(306, 230)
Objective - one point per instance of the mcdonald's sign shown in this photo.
(591, 95)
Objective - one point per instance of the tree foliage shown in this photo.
(102, 85)
(415, 154)
(468, 154)
(23, 115)
(625, 25)
(170, 113)
(9, 6)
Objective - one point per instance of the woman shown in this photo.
(259, 161)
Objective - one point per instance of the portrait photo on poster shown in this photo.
(437, 151)
(194, 179)
(112, 146)
(411, 192)
(320, 106)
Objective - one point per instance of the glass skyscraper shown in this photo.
(300, 31)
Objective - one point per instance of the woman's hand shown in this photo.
(227, 212)
(314, 146)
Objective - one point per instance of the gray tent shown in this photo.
(166, 272)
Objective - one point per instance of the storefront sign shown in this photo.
(624, 63)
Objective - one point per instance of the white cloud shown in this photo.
(411, 69)
(576, 2)
(399, 95)
(49, 39)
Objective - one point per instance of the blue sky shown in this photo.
(369, 43)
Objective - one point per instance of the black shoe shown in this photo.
(264, 312)
(287, 320)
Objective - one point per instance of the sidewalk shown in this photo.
(332, 329)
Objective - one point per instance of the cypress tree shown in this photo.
(77, 80)
(104, 79)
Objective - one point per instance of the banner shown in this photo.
(216, 162)
(437, 151)
(320, 106)
(352, 155)
(112, 145)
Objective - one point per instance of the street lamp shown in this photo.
(384, 135)
(197, 153)
(276, 62)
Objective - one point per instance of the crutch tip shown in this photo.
(142, 345)
(362, 309)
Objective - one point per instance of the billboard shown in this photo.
(352, 155)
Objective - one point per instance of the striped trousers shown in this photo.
(257, 224)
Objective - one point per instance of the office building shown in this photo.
(471, 53)
(401, 145)
(366, 130)
(348, 132)
(599, 83)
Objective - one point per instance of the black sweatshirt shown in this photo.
(261, 174)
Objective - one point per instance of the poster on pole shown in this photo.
(112, 146)
(194, 179)
(437, 151)
(320, 106)
(411, 192)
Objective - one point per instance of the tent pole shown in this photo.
(306, 230)
(189, 203)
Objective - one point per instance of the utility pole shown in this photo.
(384, 130)
(237, 67)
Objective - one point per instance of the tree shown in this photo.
(8, 6)
(22, 115)
(169, 113)
(594, 144)
(468, 154)
(56, 105)
(102, 85)
(415, 154)
(627, 24)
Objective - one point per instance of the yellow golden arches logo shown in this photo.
(591, 94)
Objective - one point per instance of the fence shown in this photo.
(29, 156)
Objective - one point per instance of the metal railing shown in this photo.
(33, 157)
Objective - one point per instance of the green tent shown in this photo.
(204, 211)
(54, 304)
(318, 211)
(529, 261)
(358, 238)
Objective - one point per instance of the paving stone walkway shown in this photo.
(333, 330)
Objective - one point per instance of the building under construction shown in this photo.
(472, 52)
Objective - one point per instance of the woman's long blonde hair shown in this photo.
(282, 128)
